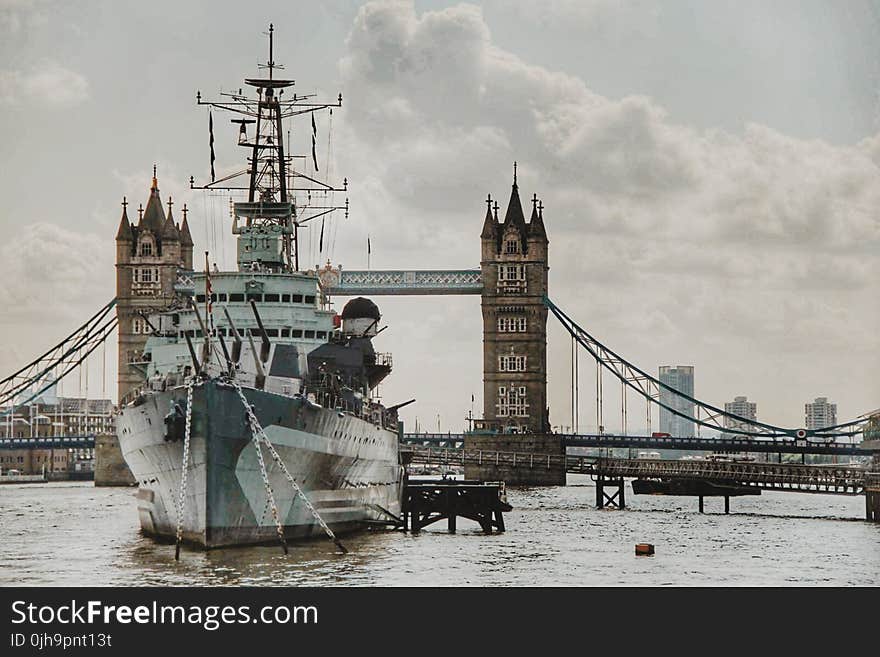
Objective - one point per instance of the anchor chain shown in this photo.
(257, 429)
(183, 469)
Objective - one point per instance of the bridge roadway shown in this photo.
(833, 479)
(456, 441)
(765, 445)
(49, 442)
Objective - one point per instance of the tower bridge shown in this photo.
(154, 269)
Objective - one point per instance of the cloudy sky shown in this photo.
(710, 173)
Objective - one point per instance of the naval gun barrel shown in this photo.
(400, 405)
(236, 344)
(264, 349)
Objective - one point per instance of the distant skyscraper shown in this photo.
(744, 408)
(679, 378)
(820, 413)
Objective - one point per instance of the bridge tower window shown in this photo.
(512, 279)
(512, 324)
(512, 363)
(512, 402)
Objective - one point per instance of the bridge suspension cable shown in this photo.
(705, 414)
(32, 380)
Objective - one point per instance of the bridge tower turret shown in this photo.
(148, 256)
(514, 268)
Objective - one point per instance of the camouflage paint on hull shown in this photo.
(348, 466)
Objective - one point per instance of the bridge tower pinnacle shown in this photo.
(514, 267)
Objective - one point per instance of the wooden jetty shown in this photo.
(426, 501)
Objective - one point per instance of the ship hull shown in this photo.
(347, 466)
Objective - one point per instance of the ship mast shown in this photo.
(270, 218)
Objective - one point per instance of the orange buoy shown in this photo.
(644, 549)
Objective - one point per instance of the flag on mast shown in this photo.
(211, 131)
(314, 154)
(209, 305)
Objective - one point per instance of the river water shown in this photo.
(73, 534)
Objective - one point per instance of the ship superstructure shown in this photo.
(251, 413)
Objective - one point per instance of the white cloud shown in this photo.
(708, 238)
(54, 279)
(52, 272)
(20, 16)
(47, 83)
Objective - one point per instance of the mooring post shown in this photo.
(622, 494)
(499, 520)
(450, 509)
(599, 492)
(414, 513)
(727, 504)
(701, 504)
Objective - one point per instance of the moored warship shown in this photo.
(255, 418)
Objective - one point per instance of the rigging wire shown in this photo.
(598, 396)
(205, 215)
(571, 359)
(214, 224)
(331, 195)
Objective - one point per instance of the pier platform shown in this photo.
(426, 501)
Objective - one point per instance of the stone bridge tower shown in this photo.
(514, 267)
(148, 256)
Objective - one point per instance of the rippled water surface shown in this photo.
(72, 534)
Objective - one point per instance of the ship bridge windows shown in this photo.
(272, 333)
(296, 333)
(269, 297)
(321, 335)
(310, 335)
